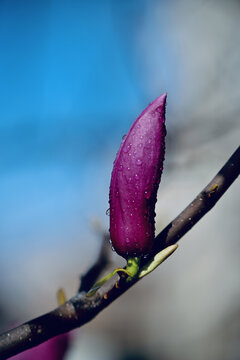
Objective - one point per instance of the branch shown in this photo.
(80, 309)
(89, 279)
(204, 202)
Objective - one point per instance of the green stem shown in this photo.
(132, 269)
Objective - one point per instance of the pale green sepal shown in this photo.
(132, 267)
(157, 260)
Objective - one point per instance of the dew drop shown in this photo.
(113, 249)
(136, 176)
(140, 145)
(108, 212)
(120, 168)
(147, 194)
(127, 148)
(110, 241)
(117, 194)
(139, 162)
(190, 219)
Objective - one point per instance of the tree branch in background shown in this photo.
(91, 276)
(80, 309)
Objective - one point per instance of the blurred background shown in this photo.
(74, 76)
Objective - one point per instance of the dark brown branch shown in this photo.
(204, 202)
(89, 279)
(81, 309)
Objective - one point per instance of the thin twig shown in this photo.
(80, 309)
(88, 279)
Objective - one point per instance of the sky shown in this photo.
(69, 91)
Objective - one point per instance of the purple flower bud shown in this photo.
(135, 179)
(53, 349)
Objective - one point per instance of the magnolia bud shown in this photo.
(134, 183)
(53, 349)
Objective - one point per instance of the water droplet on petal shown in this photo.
(136, 176)
(108, 212)
(127, 148)
(120, 168)
(139, 162)
(140, 145)
(147, 194)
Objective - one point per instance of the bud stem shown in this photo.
(133, 266)
(132, 269)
